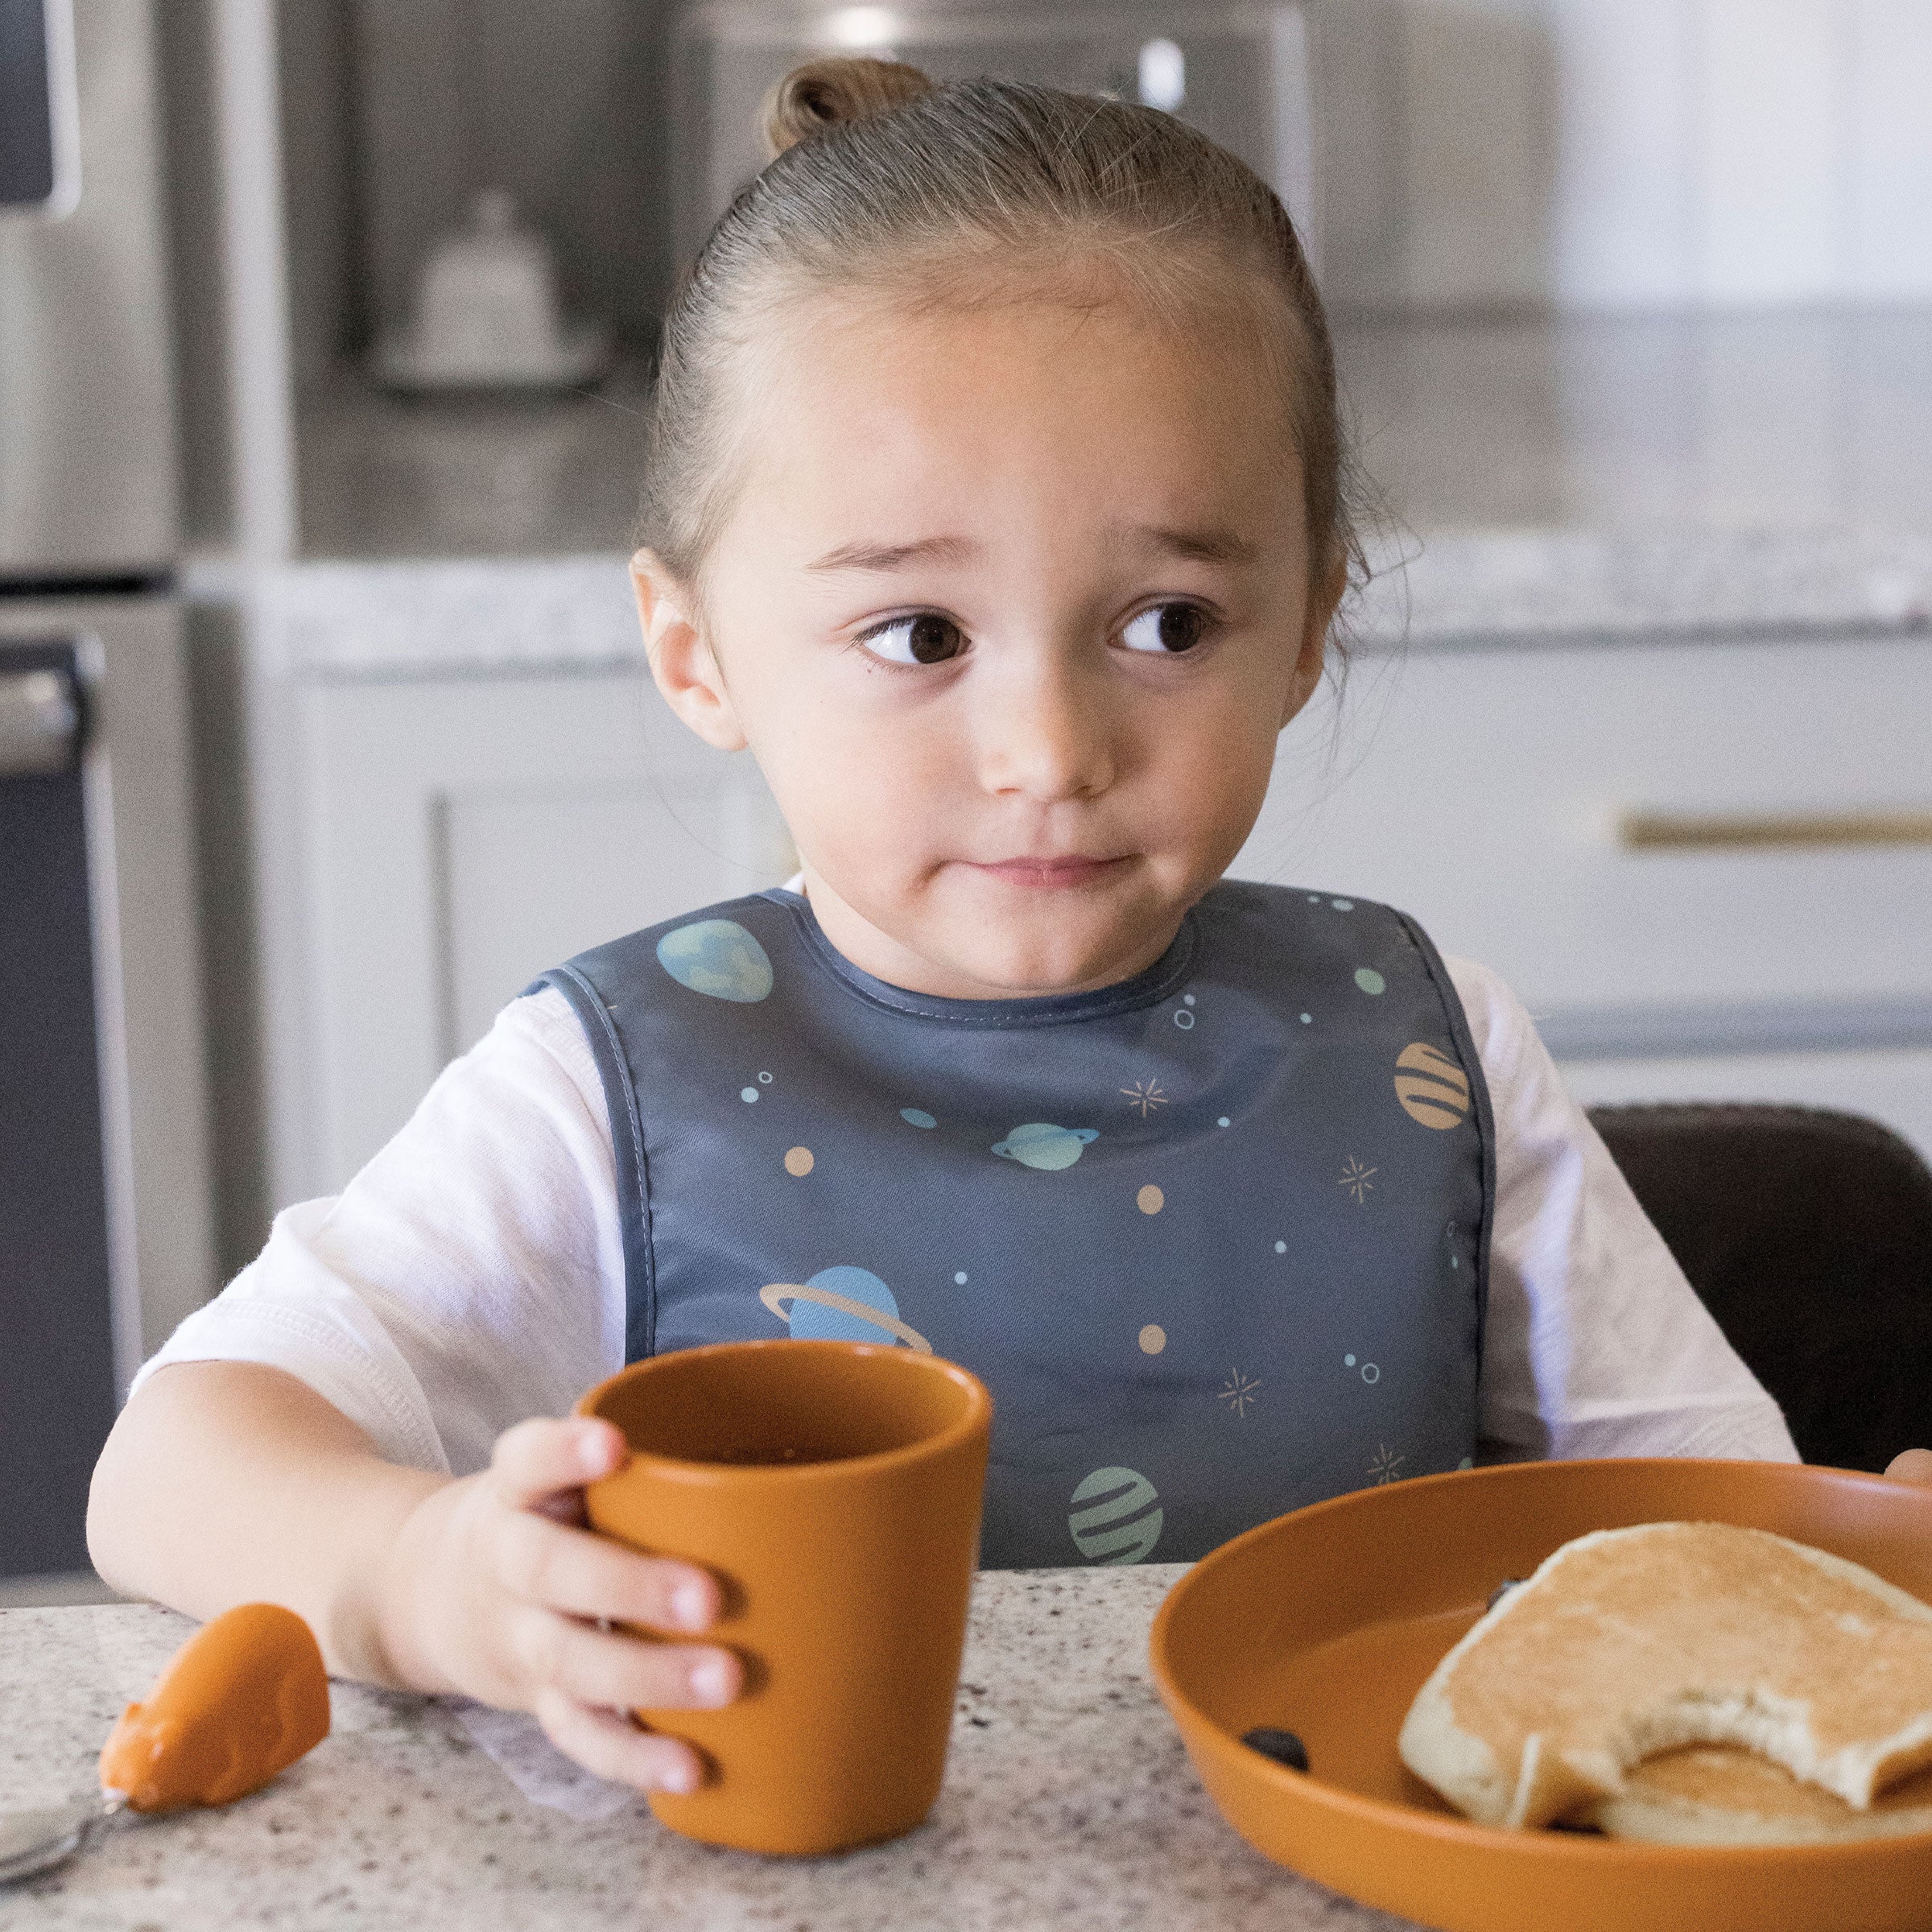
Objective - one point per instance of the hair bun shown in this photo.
(836, 89)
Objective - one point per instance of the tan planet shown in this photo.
(1433, 1090)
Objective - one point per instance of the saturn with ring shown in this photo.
(841, 1305)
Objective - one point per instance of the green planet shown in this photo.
(1122, 1521)
(718, 957)
(1040, 1144)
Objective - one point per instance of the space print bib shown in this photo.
(1216, 1238)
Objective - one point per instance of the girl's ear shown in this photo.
(1324, 599)
(682, 662)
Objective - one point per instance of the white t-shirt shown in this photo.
(473, 1273)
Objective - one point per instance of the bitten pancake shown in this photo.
(1716, 1794)
(1626, 1643)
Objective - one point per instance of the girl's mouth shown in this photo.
(1074, 870)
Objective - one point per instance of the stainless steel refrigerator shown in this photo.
(104, 1209)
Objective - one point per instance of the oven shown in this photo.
(105, 1220)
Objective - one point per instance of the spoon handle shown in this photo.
(34, 1842)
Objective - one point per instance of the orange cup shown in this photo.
(834, 1490)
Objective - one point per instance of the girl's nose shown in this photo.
(1043, 732)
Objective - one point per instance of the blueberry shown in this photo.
(1284, 1747)
(1502, 1590)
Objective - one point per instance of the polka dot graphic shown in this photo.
(718, 957)
(1224, 1121)
(959, 1281)
(748, 1093)
(1343, 905)
(917, 1117)
(1121, 1522)
(1150, 1200)
(1154, 1339)
(1183, 1018)
(799, 1161)
(1280, 1246)
(1370, 981)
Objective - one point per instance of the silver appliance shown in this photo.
(104, 1223)
(1237, 69)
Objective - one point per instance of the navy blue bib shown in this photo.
(1216, 1237)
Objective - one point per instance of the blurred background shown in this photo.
(324, 332)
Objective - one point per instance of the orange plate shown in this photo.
(1326, 1622)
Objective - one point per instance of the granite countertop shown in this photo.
(1068, 1804)
(1529, 480)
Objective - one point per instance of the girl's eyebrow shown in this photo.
(1196, 545)
(894, 556)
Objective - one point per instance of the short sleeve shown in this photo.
(470, 1276)
(1595, 1343)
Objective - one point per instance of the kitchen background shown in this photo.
(1634, 309)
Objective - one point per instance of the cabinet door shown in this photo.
(1663, 847)
(464, 835)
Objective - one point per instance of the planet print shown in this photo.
(1370, 981)
(841, 1305)
(1122, 1522)
(1040, 1144)
(718, 957)
(1154, 1339)
(799, 1161)
(1431, 1088)
(917, 1117)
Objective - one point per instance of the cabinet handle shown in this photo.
(1692, 831)
(39, 723)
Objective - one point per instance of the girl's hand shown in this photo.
(1913, 1466)
(496, 1592)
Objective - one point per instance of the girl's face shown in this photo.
(1009, 607)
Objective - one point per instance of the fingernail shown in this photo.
(681, 1778)
(690, 1606)
(711, 1682)
(593, 1452)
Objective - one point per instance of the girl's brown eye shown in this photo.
(925, 638)
(1169, 628)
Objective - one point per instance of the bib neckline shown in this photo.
(1147, 988)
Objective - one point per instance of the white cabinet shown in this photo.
(461, 836)
(1706, 867)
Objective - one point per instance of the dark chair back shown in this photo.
(1808, 1235)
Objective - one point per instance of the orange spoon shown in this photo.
(242, 1699)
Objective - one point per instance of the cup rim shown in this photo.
(977, 1417)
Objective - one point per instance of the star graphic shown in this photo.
(1146, 1095)
(1358, 1179)
(1239, 1392)
(1385, 1466)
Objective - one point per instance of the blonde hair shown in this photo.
(881, 181)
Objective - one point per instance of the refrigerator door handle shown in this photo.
(39, 723)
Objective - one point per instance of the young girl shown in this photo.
(995, 503)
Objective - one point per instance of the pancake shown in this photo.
(1628, 1643)
(1716, 1794)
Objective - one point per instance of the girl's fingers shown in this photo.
(612, 1671)
(555, 1567)
(608, 1743)
(1915, 1466)
(548, 1457)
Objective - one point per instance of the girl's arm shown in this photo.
(229, 1482)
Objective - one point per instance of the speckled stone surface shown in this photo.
(1068, 1803)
